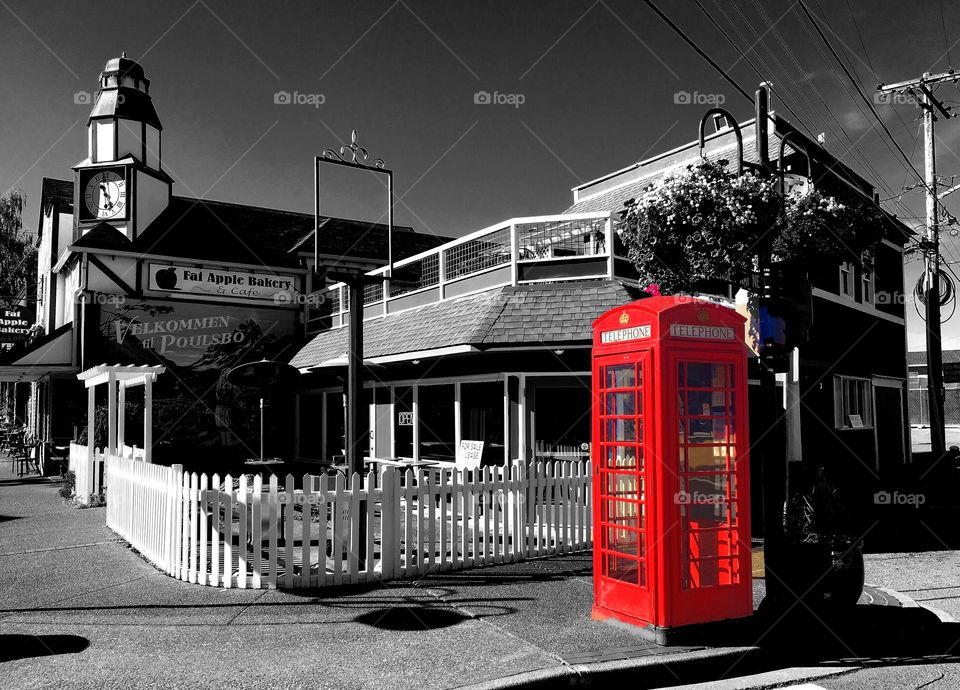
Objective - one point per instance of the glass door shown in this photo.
(623, 484)
(707, 496)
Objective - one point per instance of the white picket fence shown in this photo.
(88, 472)
(233, 532)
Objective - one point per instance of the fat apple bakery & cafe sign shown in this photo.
(220, 283)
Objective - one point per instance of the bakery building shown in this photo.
(131, 273)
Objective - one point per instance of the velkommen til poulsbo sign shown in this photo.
(14, 326)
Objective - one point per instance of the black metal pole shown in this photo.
(356, 418)
(357, 432)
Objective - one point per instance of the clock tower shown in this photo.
(121, 182)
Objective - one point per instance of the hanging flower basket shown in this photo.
(705, 224)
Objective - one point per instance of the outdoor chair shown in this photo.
(20, 455)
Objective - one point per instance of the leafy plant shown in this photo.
(818, 227)
(701, 222)
(705, 222)
(18, 257)
(66, 488)
(819, 515)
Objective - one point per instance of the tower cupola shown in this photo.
(123, 121)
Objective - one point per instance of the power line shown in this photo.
(946, 44)
(858, 89)
(852, 148)
(689, 41)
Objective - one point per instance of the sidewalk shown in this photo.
(113, 621)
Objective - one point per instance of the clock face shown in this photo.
(106, 194)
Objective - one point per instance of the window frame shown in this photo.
(842, 389)
(847, 269)
(868, 286)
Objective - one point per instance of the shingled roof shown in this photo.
(219, 231)
(548, 314)
(57, 192)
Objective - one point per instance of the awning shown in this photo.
(50, 354)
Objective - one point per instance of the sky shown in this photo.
(249, 92)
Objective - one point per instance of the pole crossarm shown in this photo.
(926, 80)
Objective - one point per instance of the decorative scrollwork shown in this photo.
(352, 153)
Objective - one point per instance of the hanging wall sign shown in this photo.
(14, 326)
(222, 283)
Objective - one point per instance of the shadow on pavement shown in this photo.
(411, 618)
(24, 646)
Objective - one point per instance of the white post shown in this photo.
(111, 413)
(458, 434)
(793, 400)
(121, 417)
(608, 233)
(416, 422)
(91, 419)
(514, 255)
(148, 420)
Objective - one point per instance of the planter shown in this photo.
(817, 572)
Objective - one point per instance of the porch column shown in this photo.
(148, 420)
(121, 417)
(792, 407)
(111, 414)
(91, 419)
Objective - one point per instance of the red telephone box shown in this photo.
(671, 487)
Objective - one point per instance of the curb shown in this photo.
(909, 603)
(586, 674)
(574, 675)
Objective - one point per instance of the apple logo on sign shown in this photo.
(167, 279)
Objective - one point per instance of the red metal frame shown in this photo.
(696, 564)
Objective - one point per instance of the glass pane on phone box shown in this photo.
(706, 459)
(621, 430)
(621, 404)
(620, 568)
(706, 403)
(625, 541)
(624, 513)
(625, 457)
(621, 376)
(623, 485)
(706, 375)
(711, 484)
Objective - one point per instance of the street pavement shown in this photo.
(79, 609)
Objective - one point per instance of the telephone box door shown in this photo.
(711, 485)
(622, 485)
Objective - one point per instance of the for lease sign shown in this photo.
(222, 283)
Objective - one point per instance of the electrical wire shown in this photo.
(859, 91)
(689, 41)
(786, 92)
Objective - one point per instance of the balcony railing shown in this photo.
(515, 252)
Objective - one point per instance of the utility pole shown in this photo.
(920, 90)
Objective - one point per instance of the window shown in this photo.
(481, 418)
(437, 422)
(846, 280)
(866, 280)
(560, 417)
(852, 403)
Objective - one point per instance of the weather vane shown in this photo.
(356, 154)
